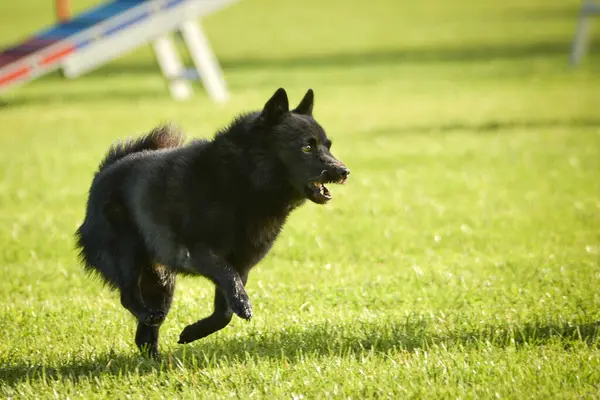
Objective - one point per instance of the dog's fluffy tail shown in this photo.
(162, 137)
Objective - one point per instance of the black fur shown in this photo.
(212, 208)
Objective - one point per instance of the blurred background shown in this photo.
(403, 49)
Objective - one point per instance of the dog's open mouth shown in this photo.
(318, 193)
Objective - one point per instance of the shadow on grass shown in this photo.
(483, 52)
(314, 342)
(563, 12)
(68, 97)
(488, 127)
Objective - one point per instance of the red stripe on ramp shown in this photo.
(56, 55)
(11, 76)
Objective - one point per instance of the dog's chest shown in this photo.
(257, 239)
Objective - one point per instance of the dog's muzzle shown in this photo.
(316, 190)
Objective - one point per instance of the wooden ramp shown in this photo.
(106, 32)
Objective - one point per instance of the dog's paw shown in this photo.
(150, 351)
(242, 308)
(189, 334)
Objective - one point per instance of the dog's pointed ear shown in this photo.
(276, 106)
(306, 104)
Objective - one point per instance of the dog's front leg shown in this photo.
(230, 285)
(227, 279)
(218, 320)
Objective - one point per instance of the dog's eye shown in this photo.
(307, 148)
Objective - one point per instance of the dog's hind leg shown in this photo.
(130, 266)
(118, 257)
(218, 320)
(156, 285)
(146, 339)
(133, 265)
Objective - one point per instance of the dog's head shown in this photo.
(302, 146)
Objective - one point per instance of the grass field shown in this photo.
(461, 260)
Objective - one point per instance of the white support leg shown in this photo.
(581, 38)
(580, 42)
(204, 60)
(172, 67)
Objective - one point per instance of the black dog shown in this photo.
(209, 208)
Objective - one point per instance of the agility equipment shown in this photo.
(104, 33)
(580, 42)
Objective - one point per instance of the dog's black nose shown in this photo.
(344, 172)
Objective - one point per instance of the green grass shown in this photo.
(461, 260)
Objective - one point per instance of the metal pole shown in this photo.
(63, 10)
